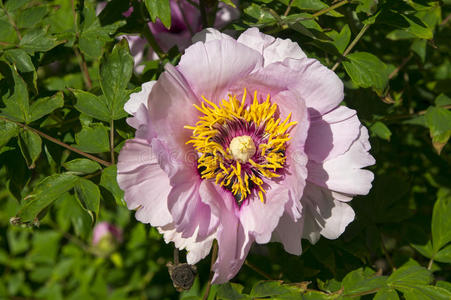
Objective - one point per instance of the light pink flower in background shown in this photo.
(105, 230)
(243, 141)
(185, 22)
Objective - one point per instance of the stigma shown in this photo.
(242, 148)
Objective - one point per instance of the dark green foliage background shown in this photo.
(64, 77)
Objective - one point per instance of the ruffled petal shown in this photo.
(319, 87)
(141, 97)
(145, 184)
(212, 67)
(330, 216)
(196, 250)
(289, 232)
(332, 134)
(272, 49)
(344, 173)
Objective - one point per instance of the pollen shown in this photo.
(241, 145)
(242, 148)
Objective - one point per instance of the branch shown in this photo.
(53, 140)
(257, 270)
(328, 9)
(354, 42)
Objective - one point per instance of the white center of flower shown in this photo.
(242, 148)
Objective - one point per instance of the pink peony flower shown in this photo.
(243, 141)
(105, 230)
(185, 22)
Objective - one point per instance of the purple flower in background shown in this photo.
(243, 141)
(105, 231)
(185, 22)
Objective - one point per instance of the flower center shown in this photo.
(241, 146)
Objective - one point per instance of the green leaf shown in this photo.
(425, 250)
(441, 220)
(12, 6)
(306, 4)
(426, 292)
(160, 9)
(419, 47)
(88, 194)
(17, 106)
(366, 70)
(366, 6)
(82, 166)
(230, 291)
(341, 39)
(44, 106)
(115, 72)
(92, 105)
(380, 130)
(408, 276)
(38, 40)
(444, 255)
(109, 182)
(30, 144)
(229, 2)
(44, 194)
(93, 139)
(8, 130)
(444, 284)
(386, 294)
(362, 280)
(21, 59)
(7, 33)
(439, 122)
(274, 288)
(31, 16)
(442, 100)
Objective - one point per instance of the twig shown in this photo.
(112, 141)
(430, 264)
(387, 256)
(214, 255)
(254, 268)
(83, 67)
(328, 9)
(446, 20)
(176, 256)
(100, 161)
(407, 116)
(203, 14)
(404, 62)
(353, 43)
(287, 11)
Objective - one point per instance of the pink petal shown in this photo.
(332, 134)
(211, 68)
(170, 109)
(319, 87)
(233, 241)
(196, 250)
(138, 98)
(273, 50)
(343, 173)
(145, 184)
(329, 215)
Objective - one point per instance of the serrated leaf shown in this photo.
(8, 130)
(341, 39)
(92, 105)
(82, 166)
(230, 291)
(366, 70)
(30, 144)
(386, 294)
(109, 182)
(88, 194)
(381, 130)
(93, 139)
(44, 193)
(160, 9)
(115, 72)
(441, 220)
(44, 106)
(21, 59)
(426, 292)
(31, 16)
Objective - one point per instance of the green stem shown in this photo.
(214, 255)
(351, 46)
(53, 140)
(203, 13)
(328, 9)
(257, 270)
